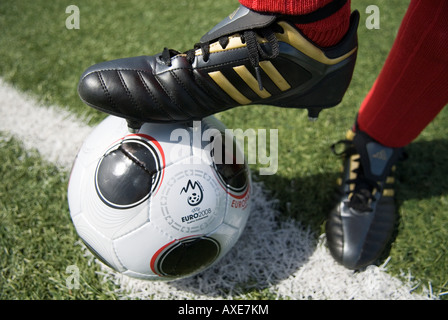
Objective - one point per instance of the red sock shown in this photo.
(412, 87)
(326, 32)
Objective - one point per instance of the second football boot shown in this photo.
(360, 226)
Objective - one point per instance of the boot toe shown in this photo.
(358, 239)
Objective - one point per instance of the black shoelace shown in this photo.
(362, 194)
(255, 51)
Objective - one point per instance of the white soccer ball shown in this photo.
(162, 204)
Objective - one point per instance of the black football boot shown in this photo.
(248, 58)
(360, 226)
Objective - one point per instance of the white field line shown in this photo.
(285, 259)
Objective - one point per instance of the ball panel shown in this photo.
(239, 205)
(230, 163)
(136, 248)
(139, 217)
(190, 201)
(98, 244)
(143, 276)
(102, 137)
(186, 257)
(238, 209)
(107, 220)
(129, 172)
(74, 192)
(227, 236)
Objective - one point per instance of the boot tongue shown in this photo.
(376, 159)
(241, 19)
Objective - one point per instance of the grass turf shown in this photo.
(37, 240)
(39, 55)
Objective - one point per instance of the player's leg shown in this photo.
(409, 92)
(324, 32)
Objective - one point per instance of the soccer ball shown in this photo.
(162, 204)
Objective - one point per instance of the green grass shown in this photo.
(40, 56)
(37, 240)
